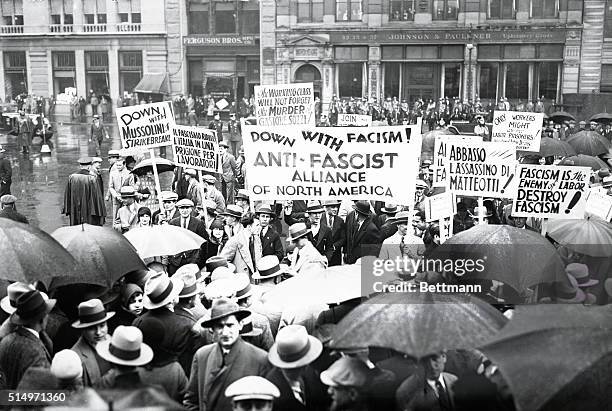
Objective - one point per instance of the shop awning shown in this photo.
(156, 83)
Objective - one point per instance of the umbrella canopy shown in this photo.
(591, 236)
(104, 255)
(163, 239)
(561, 116)
(28, 254)
(518, 258)
(589, 142)
(554, 147)
(601, 118)
(145, 166)
(582, 160)
(419, 324)
(545, 347)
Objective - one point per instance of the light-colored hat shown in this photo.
(252, 388)
(209, 179)
(85, 161)
(224, 283)
(222, 308)
(13, 291)
(191, 172)
(245, 289)
(190, 269)
(268, 267)
(160, 290)
(91, 312)
(190, 286)
(185, 202)
(581, 273)
(422, 184)
(265, 209)
(169, 195)
(403, 217)
(390, 208)
(294, 348)
(332, 203)
(242, 194)
(314, 207)
(297, 230)
(606, 182)
(125, 348)
(96, 160)
(233, 210)
(66, 365)
(127, 191)
(8, 199)
(480, 211)
(346, 372)
(114, 153)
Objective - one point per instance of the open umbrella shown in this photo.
(582, 160)
(164, 239)
(104, 255)
(419, 324)
(589, 142)
(591, 236)
(145, 166)
(28, 254)
(545, 347)
(561, 116)
(555, 147)
(601, 118)
(518, 258)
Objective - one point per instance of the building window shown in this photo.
(56, 19)
(63, 60)
(606, 78)
(488, 80)
(64, 74)
(348, 10)
(130, 70)
(402, 10)
(15, 73)
(309, 11)
(249, 19)
(136, 18)
(544, 9)
(548, 74)
(502, 9)
(90, 19)
(12, 12)
(452, 79)
(445, 9)
(608, 19)
(68, 19)
(198, 22)
(96, 75)
(392, 79)
(516, 86)
(350, 80)
(101, 18)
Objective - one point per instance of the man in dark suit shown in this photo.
(229, 171)
(331, 220)
(23, 348)
(193, 224)
(298, 381)
(362, 235)
(431, 390)
(7, 205)
(270, 240)
(216, 366)
(320, 235)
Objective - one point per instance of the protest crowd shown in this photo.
(208, 296)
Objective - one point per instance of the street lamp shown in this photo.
(470, 47)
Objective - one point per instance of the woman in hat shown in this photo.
(130, 308)
(218, 239)
(144, 217)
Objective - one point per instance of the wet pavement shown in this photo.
(39, 179)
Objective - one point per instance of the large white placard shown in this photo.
(440, 150)
(598, 204)
(146, 126)
(285, 105)
(521, 128)
(376, 163)
(195, 147)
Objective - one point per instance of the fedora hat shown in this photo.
(224, 283)
(113, 154)
(297, 230)
(581, 273)
(265, 209)
(269, 267)
(223, 143)
(480, 211)
(246, 289)
(403, 217)
(66, 365)
(247, 328)
(191, 172)
(346, 372)
(84, 161)
(222, 308)
(127, 191)
(169, 196)
(252, 387)
(190, 286)
(362, 207)
(185, 202)
(125, 347)
(160, 290)
(13, 291)
(233, 210)
(242, 194)
(209, 179)
(294, 348)
(218, 261)
(569, 293)
(189, 269)
(390, 208)
(422, 184)
(332, 203)
(91, 312)
(315, 207)
(31, 306)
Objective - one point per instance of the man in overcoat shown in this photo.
(362, 235)
(83, 201)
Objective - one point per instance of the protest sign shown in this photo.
(439, 206)
(522, 129)
(550, 191)
(440, 150)
(598, 204)
(482, 169)
(354, 120)
(195, 147)
(291, 163)
(146, 126)
(285, 105)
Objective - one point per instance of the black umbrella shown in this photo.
(589, 143)
(561, 116)
(145, 166)
(601, 118)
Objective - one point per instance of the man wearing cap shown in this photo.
(23, 348)
(270, 240)
(320, 235)
(252, 393)
(127, 215)
(229, 171)
(298, 381)
(362, 235)
(118, 177)
(194, 193)
(402, 244)
(348, 379)
(331, 220)
(97, 133)
(8, 209)
(217, 126)
(241, 199)
(113, 155)
(94, 329)
(169, 200)
(6, 173)
(244, 248)
(212, 193)
(83, 201)
(23, 128)
(305, 256)
(193, 224)
(216, 366)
